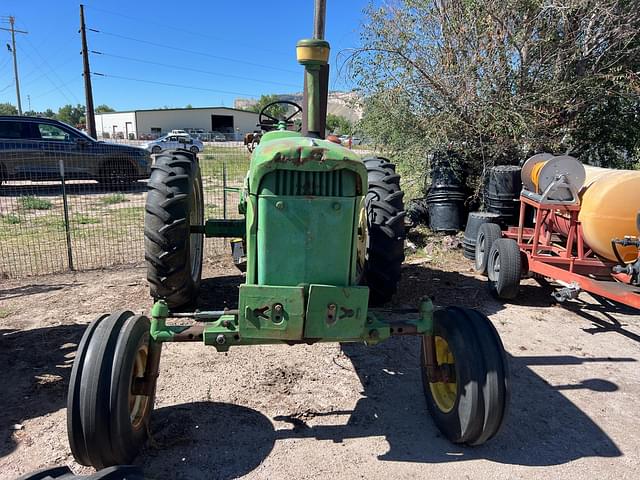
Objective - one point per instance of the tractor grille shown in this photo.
(335, 183)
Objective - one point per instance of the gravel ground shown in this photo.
(326, 411)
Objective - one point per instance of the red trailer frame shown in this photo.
(547, 253)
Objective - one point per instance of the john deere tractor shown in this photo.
(323, 238)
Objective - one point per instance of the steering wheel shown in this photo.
(269, 122)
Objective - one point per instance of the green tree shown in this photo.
(277, 111)
(103, 109)
(71, 115)
(498, 81)
(339, 125)
(8, 109)
(188, 105)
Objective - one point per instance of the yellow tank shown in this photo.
(610, 201)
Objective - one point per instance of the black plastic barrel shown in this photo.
(474, 221)
(502, 193)
(445, 196)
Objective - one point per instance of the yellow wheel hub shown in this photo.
(138, 404)
(444, 394)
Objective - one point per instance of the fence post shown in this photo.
(66, 215)
(224, 188)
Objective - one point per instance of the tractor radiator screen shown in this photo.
(333, 183)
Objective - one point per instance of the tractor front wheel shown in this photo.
(112, 390)
(174, 204)
(382, 246)
(468, 404)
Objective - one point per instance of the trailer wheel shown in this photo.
(487, 234)
(112, 416)
(504, 268)
(469, 407)
(172, 253)
(384, 252)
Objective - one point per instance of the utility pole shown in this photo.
(13, 31)
(86, 73)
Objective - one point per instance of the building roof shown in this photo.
(174, 109)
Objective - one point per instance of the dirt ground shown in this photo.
(326, 411)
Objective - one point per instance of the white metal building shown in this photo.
(138, 124)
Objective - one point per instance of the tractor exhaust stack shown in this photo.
(314, 55)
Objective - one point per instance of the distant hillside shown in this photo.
(345, 104)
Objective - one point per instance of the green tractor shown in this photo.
(323, 238)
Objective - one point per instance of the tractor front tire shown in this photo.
(107, 419)
(470, 406)
(174, 203)
(386, 230)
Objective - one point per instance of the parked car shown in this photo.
(344, 139)
(31, 149)
(218, 137)
(173, 142)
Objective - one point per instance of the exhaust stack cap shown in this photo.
(311, 51)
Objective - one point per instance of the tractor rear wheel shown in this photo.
(504, 268)
(380, 269)
(107, 412)
(487, 234)
(469, 405)
(172, 252)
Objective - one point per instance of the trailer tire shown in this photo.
(504, 268)
(386, 230)
(174, 203)
(487, 234)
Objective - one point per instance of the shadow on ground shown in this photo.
(36, 365)
(542, 428)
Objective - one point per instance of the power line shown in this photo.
(184, 30)
(46, 63)
(184, 50)
(166, 84)
(180, 67)
(44, 73)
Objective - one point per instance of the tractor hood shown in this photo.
(286, 150)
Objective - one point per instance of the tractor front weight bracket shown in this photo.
(221, 328)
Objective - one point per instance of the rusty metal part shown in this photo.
(204, 315)
(435, 373)
(146, 384)
(189, 334)
(331, 313)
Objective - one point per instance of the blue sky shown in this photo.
(227, 49)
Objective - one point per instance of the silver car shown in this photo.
(173, 142)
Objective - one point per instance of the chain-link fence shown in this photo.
(77, 204)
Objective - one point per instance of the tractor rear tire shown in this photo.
(107, 422)
(386, 230)
(172, 253)
(487, 234)
(471, 406)
(504, 268)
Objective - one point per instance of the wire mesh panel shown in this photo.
(68, 202)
